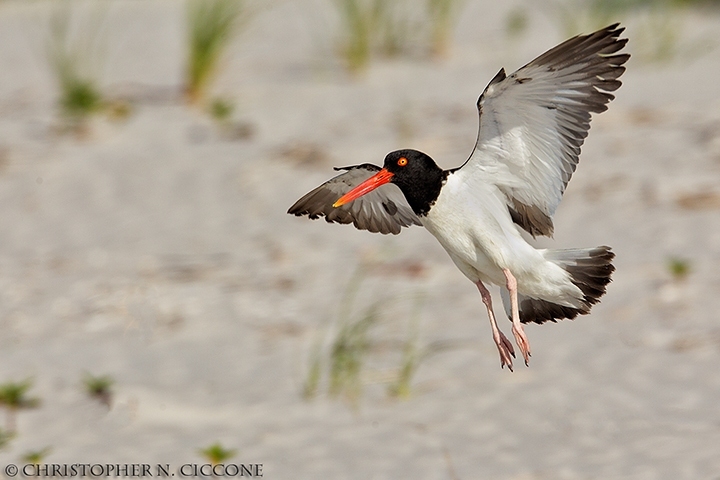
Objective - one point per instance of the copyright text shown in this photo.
(134, 470)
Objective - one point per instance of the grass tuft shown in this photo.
(100, 388)
(408, 366)
(343, 362)
(442, 15)
(74, 57)
(212, 25)
(657, 35)
(347, 350)
(216, 453)
(221, 109)
(36, 456)
(412, 355)
(5, 438)
(360, 26)
(347, 355)
(80, 98)
(13, 397)
(389, 28)
(679, 268)
(350, 343)
(516, 22)
(312, 381)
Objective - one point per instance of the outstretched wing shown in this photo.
(383, 210)
(533, 123)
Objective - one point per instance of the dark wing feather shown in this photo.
(534, 121)
(384, 210)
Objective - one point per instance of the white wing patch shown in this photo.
(534, 122)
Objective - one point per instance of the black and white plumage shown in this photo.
(533, 122)
(532, 126)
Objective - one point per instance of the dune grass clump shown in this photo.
(350, 343)
(516, 22)
(221, 109)
(99, 388)
(585, 16)
(388, 28)
(212, 25)
(80, 97)
(679, 268)
(658, 32)
(347, 351)
(5, 438)
(36, 456)
(347, 355)
(360, 21)
(340, 364)
(13, 398)
(411, 357)
(74, 57)
(314, 374)
(442, 15)
(216, 454)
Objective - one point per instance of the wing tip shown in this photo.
(499, 77)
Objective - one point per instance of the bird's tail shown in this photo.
(590, 270)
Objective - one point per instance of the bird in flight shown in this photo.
(532, 125)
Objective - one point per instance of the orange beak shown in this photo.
(377, 180)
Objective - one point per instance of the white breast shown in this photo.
(471, 221)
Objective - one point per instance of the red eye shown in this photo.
(402, 161)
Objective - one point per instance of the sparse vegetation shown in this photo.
(217, 454)
(577, 17)
(413, 356)
(74, 53)
(100, 388)
(442, 15)
(118, 109)
(657, 24)
(13, 397)
(349, 352)
(659, 35)
(408, 366)
(393, 27)
(221, 109)
(350, 343)
(360, 26)
(516, 22)
(36, 456)
(679, 268)
(347, 355)
(5, 438)
(312, 380)
(212, 25)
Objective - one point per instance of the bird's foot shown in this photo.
(507, 352)
(522, 342)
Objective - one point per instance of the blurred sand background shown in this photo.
(156, 249)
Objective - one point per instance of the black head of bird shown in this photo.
(415, 173)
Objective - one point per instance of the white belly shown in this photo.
(474, 226)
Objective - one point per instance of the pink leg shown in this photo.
(503, 344)
(517, 328)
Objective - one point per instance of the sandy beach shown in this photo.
(156, 249)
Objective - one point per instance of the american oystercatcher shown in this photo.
(532, 125)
